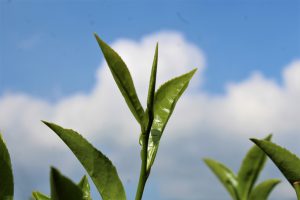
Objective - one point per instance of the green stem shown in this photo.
(144, 154)
(143, 173)
(297, 188)
(237, 196)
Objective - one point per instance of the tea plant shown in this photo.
(287, 162)
(240, 186)
(152, 121)
(63, 188)
(6, 174)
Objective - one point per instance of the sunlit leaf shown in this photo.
(165, 100)
(123, 79)
(97, 165)
(63, 188)
(225, 175)
(85, 188)
(6, 174)
(250, 169)
(287, 162)
(262, 190)
(40, 196)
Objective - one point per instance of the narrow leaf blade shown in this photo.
(148, 117)
(63, 188)
(6, 174)
(263, 190)
(40, 196)
(152, 83)
(225, 176)
(123, 79)
(287, 162)
(250, 169)
(97, 165)
(165, 101)
(85, 188)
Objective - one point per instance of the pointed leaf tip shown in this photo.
(287, 162)
(98, 166)
(263, 190)
(63, 188)
(39, 196)
(123, 79)
(165, 100)
(85, 188)
(250, 169)
(225, 176)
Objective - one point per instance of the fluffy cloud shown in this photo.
(202, 125)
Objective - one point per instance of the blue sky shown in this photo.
(55, 38)
(48, 55)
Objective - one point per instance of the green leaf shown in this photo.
(225, 175)
(165, 100)
(287, 162)
(250, 169)
(123, 79)
(63, 188)
(148, 117)
(6, 174)
(97, 165)
(151, 90)
(85, 188)
(40, 196)
(262, 190)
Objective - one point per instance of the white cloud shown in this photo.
(202, 124)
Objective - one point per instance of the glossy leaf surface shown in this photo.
(287, 162)
(97, 165)
(40, 196)
(225, 175)
(85, 188)
(262, 190)
(6, 174)
(250, 169)
(123, 79)
(165, 100)
(63, 188)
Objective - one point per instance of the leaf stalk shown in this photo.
(144, 173)
(297, 189)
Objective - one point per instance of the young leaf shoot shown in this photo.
(241, 186)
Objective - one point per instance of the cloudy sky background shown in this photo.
(247, 85)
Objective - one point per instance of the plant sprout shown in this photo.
(152, 121)
(63, 188)
(241, 186)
